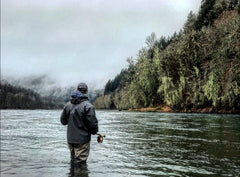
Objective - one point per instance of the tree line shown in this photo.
(196, 68)
(15, 97)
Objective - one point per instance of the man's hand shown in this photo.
(100, 137)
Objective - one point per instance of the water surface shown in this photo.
(33, 143)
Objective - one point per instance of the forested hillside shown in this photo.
(48, 88)
(18, 97)
(194, 70)
(13, 97)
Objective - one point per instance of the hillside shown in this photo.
(195, 70)
(36, 94)
(14, 97)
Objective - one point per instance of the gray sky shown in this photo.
(82, 40)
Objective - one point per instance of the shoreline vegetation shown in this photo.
(167, 109)
(194, 70)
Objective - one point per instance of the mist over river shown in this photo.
(33, 143)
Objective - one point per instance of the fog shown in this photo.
(69, 41)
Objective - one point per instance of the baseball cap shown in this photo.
(82, 87)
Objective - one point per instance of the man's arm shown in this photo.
(91, 119)
(64, 117)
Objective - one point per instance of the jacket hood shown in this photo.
(76, 97)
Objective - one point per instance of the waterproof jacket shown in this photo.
(79, 116)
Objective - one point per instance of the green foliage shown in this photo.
(173, 95)
(206, 14)
(211, 9)
(191, 20)
(147, 76)
(198, 67)
(104, 102)
(211, 89)
(169, 91)
(112, 85)
(137, 97)
(197, 93)
(151, 40)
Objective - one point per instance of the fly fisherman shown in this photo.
(79, 116)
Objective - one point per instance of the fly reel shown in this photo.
(100, 137)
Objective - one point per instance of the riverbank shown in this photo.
(166, 108)
(196, 70)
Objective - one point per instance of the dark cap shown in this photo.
(82, 87)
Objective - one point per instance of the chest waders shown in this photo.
(72, 153)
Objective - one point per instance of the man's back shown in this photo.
(79, 115)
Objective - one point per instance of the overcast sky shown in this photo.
(82, 40)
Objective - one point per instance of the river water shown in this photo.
(33, 143)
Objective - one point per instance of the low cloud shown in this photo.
(72, 41)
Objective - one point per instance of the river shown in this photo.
(33, 143)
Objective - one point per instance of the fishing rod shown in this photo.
(100, 137)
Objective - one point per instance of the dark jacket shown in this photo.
(79, 115)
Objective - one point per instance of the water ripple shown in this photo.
(33, 143)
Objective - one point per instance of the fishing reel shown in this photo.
(100, 137)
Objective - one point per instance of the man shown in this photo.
(79, 116)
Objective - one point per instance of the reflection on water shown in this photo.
(33, 143)
(80, 170)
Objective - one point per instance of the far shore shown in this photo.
(168, 109)
(160, 108)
